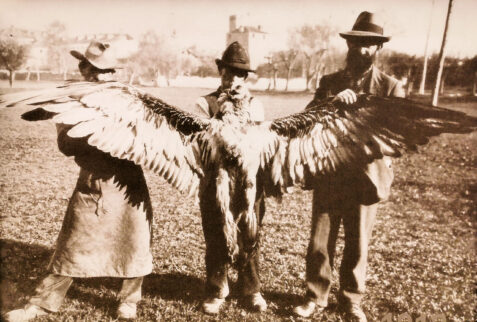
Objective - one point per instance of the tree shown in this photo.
(273, 74)
(204, 65)
(145, 61)
(401, 66)
(57, 54)
(288, 58)
(471, 66)
(313, 42)
(12, 56)
(442, 56)
(158, 56)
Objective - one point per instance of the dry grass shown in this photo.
(421, 257)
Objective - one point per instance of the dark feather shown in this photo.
(406, 121)
(37, 114)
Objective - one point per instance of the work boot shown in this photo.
(257, 302)
(354, 313)
(212, 305)
(30, 311)
(127, 311)
(306, 310)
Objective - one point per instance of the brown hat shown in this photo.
(368, 26)
(98, 55)
(235, 56)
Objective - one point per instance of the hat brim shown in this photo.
(105, 63)
(240, 66)
(77, 55)
(98, 63)
(356, 34)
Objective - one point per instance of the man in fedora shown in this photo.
(106, 230)
(352, 195)
(233, 69)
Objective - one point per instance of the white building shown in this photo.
(253, 39)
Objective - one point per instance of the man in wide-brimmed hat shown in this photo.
(233, 67)
(97, 60)
(106, 231)
(350, 196)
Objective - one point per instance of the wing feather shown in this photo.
(128, 124)
(329, 136)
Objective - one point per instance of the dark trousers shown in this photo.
(216, 258)
(334, 203)
(52, 291)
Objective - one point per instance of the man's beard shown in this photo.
(358, 63)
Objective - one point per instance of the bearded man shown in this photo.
(351, 196)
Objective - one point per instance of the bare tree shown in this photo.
(157, 57)
(146, 61)
(57, 53)
(288, 58)
(12, 56)
(312, 41)
(442, 56)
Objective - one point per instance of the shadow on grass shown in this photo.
(174, 286)
(24, 265)
(284, 302)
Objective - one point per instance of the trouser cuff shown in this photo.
(320, 301)
(346, 299)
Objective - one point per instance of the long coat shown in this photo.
(375, 182)
(107, 227)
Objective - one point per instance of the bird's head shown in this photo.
(235, 100)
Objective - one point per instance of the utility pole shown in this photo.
(442, 56)
(426, 55)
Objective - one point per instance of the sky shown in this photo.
(204, 23)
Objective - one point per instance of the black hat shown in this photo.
(98, 55)
(235, 56)
(367, 26)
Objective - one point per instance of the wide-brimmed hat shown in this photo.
(367, 26)
(235, 56)
(98, 55)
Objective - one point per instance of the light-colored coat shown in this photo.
(107, 227)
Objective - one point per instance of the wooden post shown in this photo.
(442, 56)
(426, 55)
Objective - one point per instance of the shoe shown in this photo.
(127, 311)
(257, 302)
(30, 311)
(212, 305)
(354, 314)
(305, 310)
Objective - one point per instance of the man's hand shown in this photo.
(348, 96)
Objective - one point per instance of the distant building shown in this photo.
(253, 39)
(39, 55)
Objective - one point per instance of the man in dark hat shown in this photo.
(233, 69)
(350, 196)
(106, 231)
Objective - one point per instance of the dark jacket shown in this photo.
(376, 82)
(374, 183)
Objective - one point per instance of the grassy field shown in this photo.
(422, 257)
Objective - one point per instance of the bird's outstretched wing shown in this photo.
(331, 135)
(129, 124)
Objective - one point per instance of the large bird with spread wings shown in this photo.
(130, 124)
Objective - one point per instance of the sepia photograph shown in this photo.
(219, 160)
